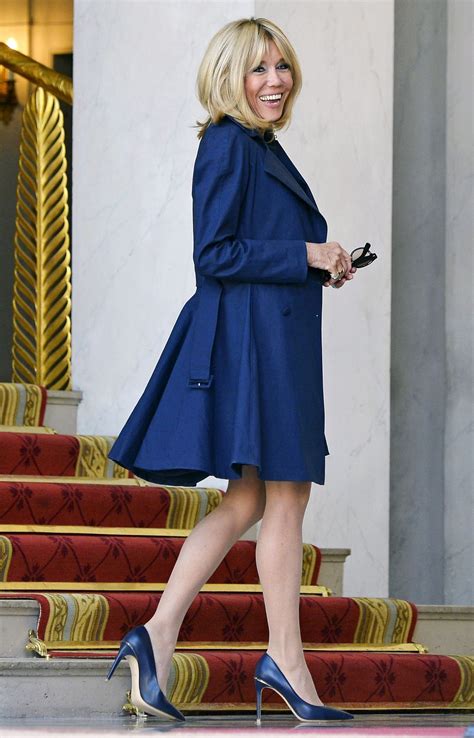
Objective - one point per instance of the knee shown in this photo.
(288, 498)
(245, 498)
(243, 510)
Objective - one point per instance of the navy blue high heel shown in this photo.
(268, 674)
(146, 693)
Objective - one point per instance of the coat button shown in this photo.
(286, 311)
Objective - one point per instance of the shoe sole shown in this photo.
(304, 720)
(136, 697)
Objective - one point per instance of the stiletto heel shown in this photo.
(124, 650)
(269, 674)
(146, 693)
(259, 687)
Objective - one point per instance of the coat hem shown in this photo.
(190, 476)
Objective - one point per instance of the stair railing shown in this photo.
(41, 350)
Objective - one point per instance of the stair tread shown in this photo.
(46, 503)
(223, 617)
(124, 559)
(58, 454)
(226, 677)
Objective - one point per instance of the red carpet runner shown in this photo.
(106, 541)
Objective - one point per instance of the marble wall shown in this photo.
(431, 511)
(134, 149)
(418, 335)
(342, 139)
(459, 431)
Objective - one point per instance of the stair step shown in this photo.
(441, 629)
(93, 622)
(24, 405)
(223, 680)
(58, 455)
(445, 628)
(74, 505)
(17, 618)
(105, 505)
(21, 402)
(124, 560)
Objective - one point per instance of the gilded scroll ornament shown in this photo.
(36, 645)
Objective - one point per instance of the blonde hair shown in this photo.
(232, 53)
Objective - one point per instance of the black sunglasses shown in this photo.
(360, 257)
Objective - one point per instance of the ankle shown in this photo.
(164, 632)
(287, 659)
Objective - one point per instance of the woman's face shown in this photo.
(271, 78)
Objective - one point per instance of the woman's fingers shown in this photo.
(337, 284)
(347, 273)
(329, 256)
(343, 263)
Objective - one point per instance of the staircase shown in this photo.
(86, 549)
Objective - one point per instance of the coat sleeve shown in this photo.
(220, 178)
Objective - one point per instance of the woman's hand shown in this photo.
(338, 283)
(333, 258)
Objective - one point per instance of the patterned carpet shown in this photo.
(94, 546)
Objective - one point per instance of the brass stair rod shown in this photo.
(55, 82)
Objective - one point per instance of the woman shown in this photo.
(237, 392)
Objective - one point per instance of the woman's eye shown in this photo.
(283, 65)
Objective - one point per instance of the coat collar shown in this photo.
(249, 131)
(274, 166)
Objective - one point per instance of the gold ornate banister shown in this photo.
(58, 84)
(42, 275)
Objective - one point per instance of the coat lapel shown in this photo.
(276, 168)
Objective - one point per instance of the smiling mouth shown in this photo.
(275, 97)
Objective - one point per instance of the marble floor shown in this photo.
(425, 725)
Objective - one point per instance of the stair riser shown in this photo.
(211, 617)
(61, 691)
(66, 688)
(15, 622)
(445, 629)
(450, 632)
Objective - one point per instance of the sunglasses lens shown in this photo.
(364, 261)
(357, 253)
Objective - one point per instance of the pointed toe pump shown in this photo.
(136, 648)
(268, 674)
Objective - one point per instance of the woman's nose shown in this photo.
(273, 76)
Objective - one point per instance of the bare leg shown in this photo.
(200, 555)
(279, 563)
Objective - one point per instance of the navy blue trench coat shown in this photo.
(239, 380)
